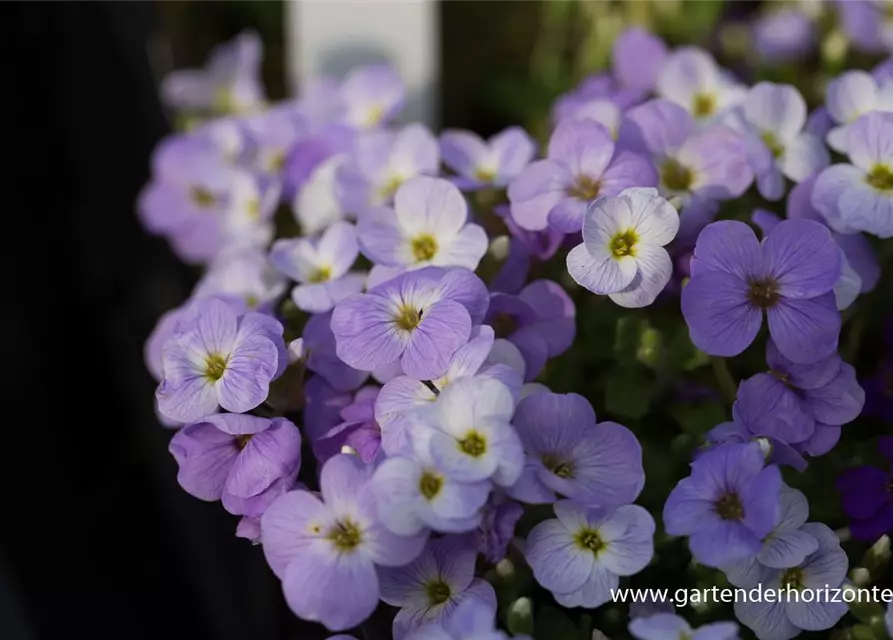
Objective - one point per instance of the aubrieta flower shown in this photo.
(866, 25)
(598, 98)
(270, 137)
(696, 165)
(472, 620)
(467, 433)
(380, 162)
(228, 83)
(784, 34)
(333, 544)
(321, 267)
(789, 276)
(787, 616)
(482, 164)
(431, 588)
(691, 78)
(790, 399)
(243, 276)
(727, 505)
(497, 528)
(316, 203)
(774, 116)
(580, 166)
(622, 254)
(668, 626)
(569, 454)
(540, 321)
(849, 97)
(787, 545)
(371, 96)
(859, 196)
(245, 461)
(867, 497)
(320, 355)
(637, 57)
(400, 395)
(322, 406)
(580, 554)
(420, 319)
(359, 431)
(427, 226)
(776, 451)
(219, 360)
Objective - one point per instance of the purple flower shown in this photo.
(249, 529)
(402, 394)
(383, 160)
(316, 204)
(271, 135)
(308, 154)
(695, 165)
(774, 115)
(321, 357)
(220, 359)
(322, 406)
(622, 253)
(540, 321)
(466, 432)
(244, 277)
(321, 267)
(326, 551)
(427, 226)
(420, 319)
(569, 454)
(359, 430)
(727, 505)
(637, 57)
(668, 626)
(580, 555)
(787, 545)
(790, 276)
(580, 167)
(431, 588)
(541, 244)
(228, 83)
(245, 461)
(371, 96)
(776, 451)
(497, 528)
(489, 163)
(787, 402)
(867, 498)
(865, 25)
(859, 196)
(849, 97)
(691, 78)
(785, 617)
(598, 98)
(472, 620)
(785, 34)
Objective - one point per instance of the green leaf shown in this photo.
(552, 624)
(682, 354)
(699, 419)
(629, 392)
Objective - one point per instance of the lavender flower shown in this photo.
(472, 620)
(371, 96)
(783, 618)
(865, 25)
(427, 226)
(668, 626)
(786, 546)
(320, 355)
(432, 587)
(790, 276)
(316, 203)
(242, 277)
(484, 164)
(580, 555)
(229, 82)
(311, 152)
(727, 505)
(383, 160)
(271, 135)
(569, 454)
(788, 401)
(867, 500)
(849, 97)
(784, 34)
(420, 319)
(691, 78)
(580, 167)
(774, 116)
(857, 197)
(220, 359)
(637, 57)
(776, 451)
(321, 267)
(322, 407)
(466, 432)
(497, 528)
(359, 431)
(333, 544)
(245, 461)
(540, 321)
(622, 254)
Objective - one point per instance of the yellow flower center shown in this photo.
(202, 197)
(389, 188)
(590, 540)
(772, 143)
(676, 177)
(430, 484)
(792, 579)
(408, 318)
(729, 507)
(345, 535)
(322, 274)
(624, 243)
(253, 208)
(374, 116)
(242, 441)
(485, 174)
(585, 188)
(473, 444)
(561, 468)
(703, 104)
(215, 367)
(276, 162)
(763, 293)
(424, 247)
(880, 177)
(438, 592)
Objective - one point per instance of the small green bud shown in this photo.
(520, 617)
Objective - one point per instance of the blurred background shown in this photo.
(97, 539)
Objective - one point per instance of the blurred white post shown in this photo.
(330, 37)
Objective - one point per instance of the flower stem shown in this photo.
(727, 383)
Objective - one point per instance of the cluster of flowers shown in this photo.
(413, 379)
